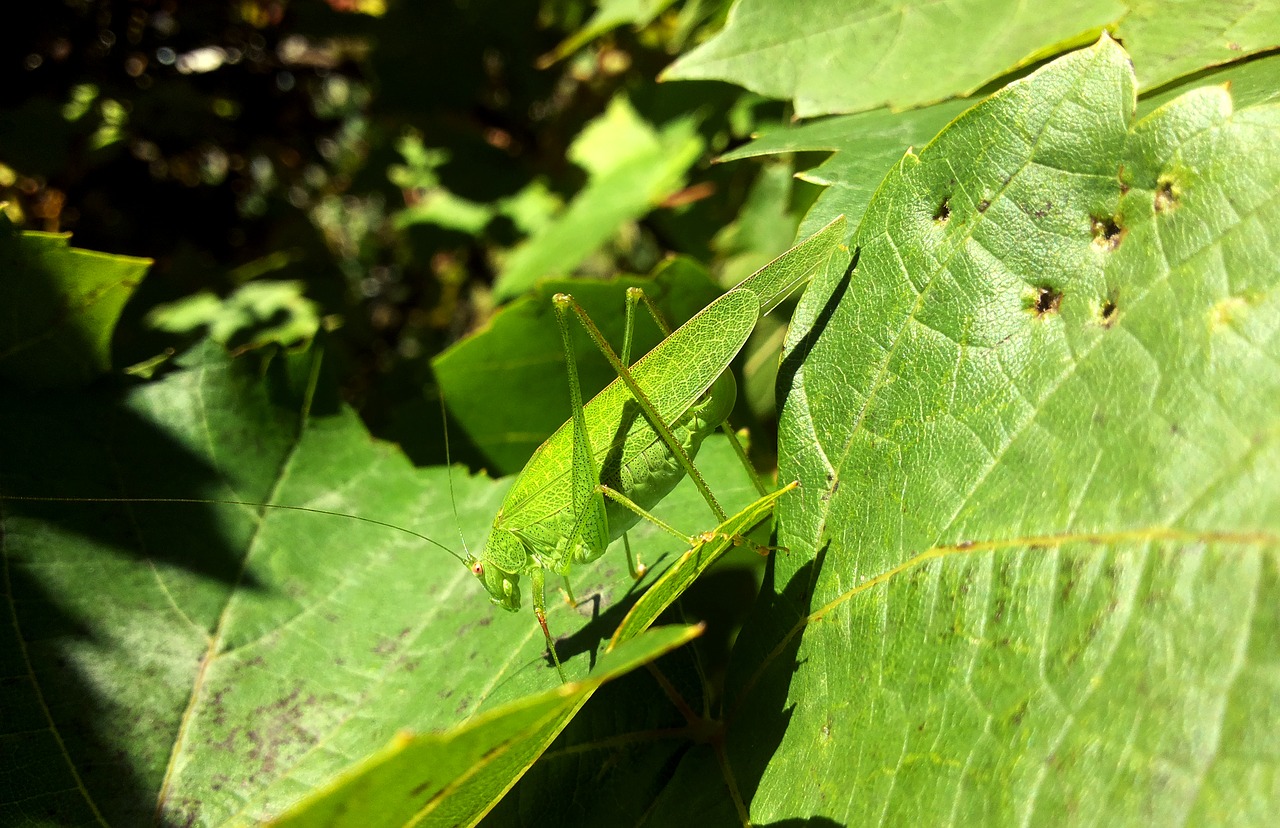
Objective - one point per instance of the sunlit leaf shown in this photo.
(828, 56)
(1033, 564)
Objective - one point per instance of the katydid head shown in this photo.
(498, 568)
(503, 587)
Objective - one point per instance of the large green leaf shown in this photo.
(210, 663)
(59, 306)
(1033, 573)
(829, 57)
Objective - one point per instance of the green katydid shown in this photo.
(624, 451)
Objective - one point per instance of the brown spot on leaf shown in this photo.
(1166, 196)
(1227, 311)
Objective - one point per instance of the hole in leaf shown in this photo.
(943, 212)
(1047, 300)
(1107, 313)
(1107, 233)
(1166, 196)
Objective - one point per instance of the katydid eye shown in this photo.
(477, 569)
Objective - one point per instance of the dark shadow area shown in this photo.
(587, 777)
(95, 443)
(722, 599)
(91, 445)
(804, 822)
(757, 720)
(601, 627)
(37, 681)
(420, 428)
(791, 363)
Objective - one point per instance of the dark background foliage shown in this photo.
(254, 140)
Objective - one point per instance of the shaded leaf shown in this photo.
(59, 306)
(211, 662)
(764, 229)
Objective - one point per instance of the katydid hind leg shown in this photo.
(629, 324)
(620, 498)
(654, 310)
(735, 440)
(590, 527)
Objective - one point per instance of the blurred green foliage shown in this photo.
(384, 164)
